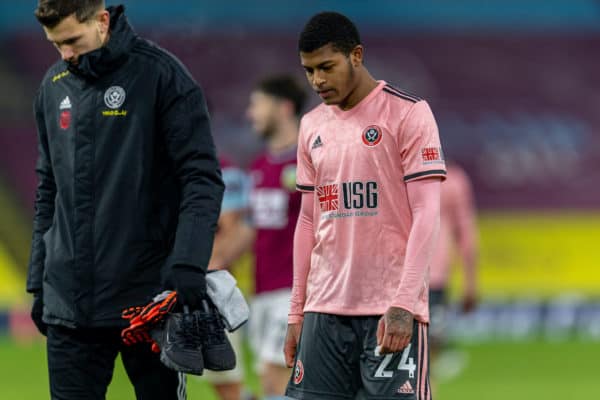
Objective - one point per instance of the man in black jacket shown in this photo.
(128, 197)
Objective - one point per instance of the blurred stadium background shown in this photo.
(514, 86)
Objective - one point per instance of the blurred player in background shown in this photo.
(128, 197)
(228, 384)
(458, 235)
(370, 168)
(274, 110)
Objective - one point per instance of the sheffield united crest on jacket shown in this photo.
(114, 97)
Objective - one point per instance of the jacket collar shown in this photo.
(113, 54)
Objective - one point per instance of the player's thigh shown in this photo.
(149, 376)
(402, 375)
(80, 361)
(327, 359)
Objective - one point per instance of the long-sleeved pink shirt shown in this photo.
(367, 242)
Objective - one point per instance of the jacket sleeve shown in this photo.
(44, 202)
(185, 126)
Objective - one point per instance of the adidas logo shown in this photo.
(406, 388)
(65, 104)
(317, 143)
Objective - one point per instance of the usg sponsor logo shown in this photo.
(348, 199)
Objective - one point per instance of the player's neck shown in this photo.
(105, 39)
(365, 85)
(285, 138)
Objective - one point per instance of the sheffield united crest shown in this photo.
(114, 97)
(298, 372)
(372, 135)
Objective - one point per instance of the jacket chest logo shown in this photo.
(114, 97)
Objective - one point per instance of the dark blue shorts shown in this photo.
(336, 359)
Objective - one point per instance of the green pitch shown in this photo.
(492, 371)
(531, 370)
(23, 376)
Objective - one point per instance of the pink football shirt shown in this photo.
(457, 225)
(358, 162)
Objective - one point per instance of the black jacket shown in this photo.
(129, 183)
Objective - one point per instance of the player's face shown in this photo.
(263, 113)
(73, 38)
(331, 73)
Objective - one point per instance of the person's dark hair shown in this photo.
(329, 27)
(50, 12)
(284, 87)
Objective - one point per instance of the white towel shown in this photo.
(222, 289)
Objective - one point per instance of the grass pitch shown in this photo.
(493, 371)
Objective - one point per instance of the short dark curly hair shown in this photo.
(51, 12)
(329, 27)
(284, 87)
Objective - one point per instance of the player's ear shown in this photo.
(356, 55)
(103, 19)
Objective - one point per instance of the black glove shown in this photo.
(189, 283)
(37, 310)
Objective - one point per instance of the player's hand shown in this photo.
(292, 337)
(394, 330)
(190, 284)
(37, 310)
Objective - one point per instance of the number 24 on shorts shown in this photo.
(406, 364)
